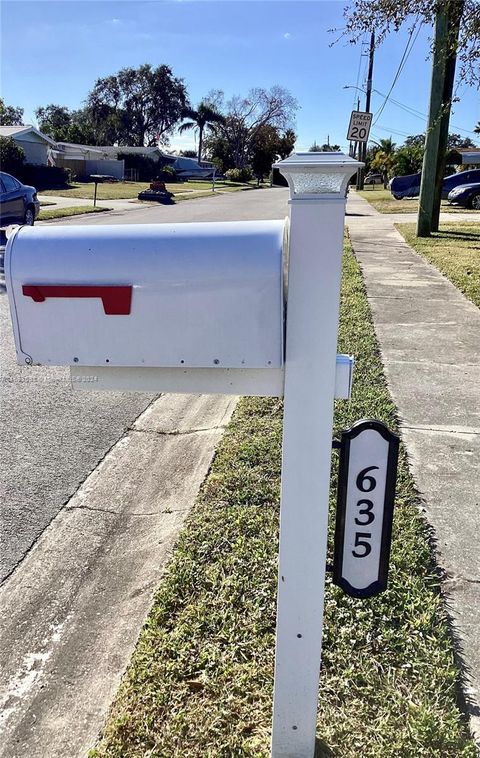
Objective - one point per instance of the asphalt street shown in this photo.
(50, 437)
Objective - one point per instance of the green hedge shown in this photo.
(43, 177)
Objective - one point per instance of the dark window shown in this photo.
(10, 183)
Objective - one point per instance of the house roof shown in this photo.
(14, 131)
(466, 155)
(113, 150)
(73, 150)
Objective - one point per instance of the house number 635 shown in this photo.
(365, 483)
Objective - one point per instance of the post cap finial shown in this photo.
(313, 174)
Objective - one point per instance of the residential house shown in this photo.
(37, 146)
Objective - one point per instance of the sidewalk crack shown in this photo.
(177, 432)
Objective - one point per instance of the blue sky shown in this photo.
(59, 48)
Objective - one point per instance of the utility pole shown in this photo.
(362, 150)
(447, 25)
(455, 15)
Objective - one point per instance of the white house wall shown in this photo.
(35, 148)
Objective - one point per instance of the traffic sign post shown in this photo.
(359, 127)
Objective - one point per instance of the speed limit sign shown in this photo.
(359, 127)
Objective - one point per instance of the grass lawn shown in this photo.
(129, 190)
(455, 250)
(200, 680)
(384, 202)
(75, 210)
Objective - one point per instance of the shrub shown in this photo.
(12, 156)
(43, 177)
(147, 168)
(239, 174)
(168, 174)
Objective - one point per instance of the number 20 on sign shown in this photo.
(366, 492)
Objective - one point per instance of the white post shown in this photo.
(317, 183)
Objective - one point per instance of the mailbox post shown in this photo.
(317, 184)
(200, 308)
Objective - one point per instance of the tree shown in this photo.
(9, 115)
(286, 143)
(325, 148)
(244, 117)
(455, 141)
(385, 16)
(384, 159)
(264, 151)
(12, 156)
(137, 106)
(188, 153)
(205, 117)
(457, 33)
(408, 159)
(415, 140)
(55, 121)
(64, 125)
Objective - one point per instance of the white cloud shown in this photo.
(287, 35)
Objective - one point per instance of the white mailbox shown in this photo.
(202, 295)
(200, 308)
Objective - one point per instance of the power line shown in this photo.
(358, 73)
(404, 58)
(392, 131)
(419, 114)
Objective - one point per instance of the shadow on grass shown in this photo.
(472, 236)
(322, 750)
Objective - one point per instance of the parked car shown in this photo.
(373, 179)
(467, 195)
(18, 202)
(409, 186)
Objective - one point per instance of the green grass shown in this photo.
(75, 210)
(384, 202)
(455, 250)
(200, 680)
(130, 190)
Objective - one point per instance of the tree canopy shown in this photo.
(64, 125)
(137, 106)
(12, 156)
(325, 148)
(10, 115)
(206, 116)
(384, 16)
(233, 140)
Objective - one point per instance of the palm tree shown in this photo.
(204, 117)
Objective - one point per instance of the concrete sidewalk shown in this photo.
(429, 335)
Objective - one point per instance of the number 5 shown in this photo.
(362, 543)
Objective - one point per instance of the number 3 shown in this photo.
(367, 511)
